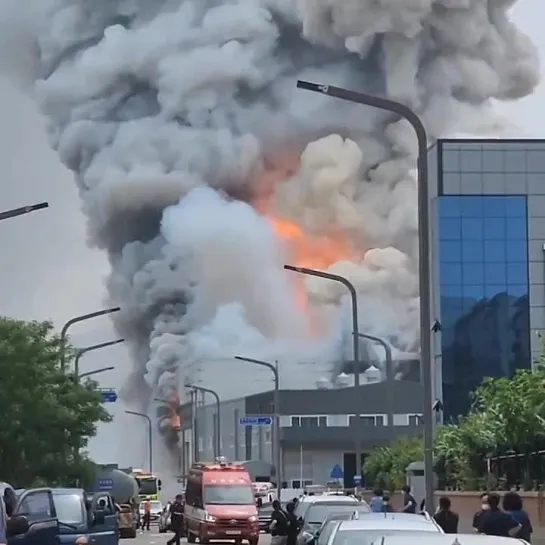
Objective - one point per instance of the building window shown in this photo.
(309, 421)
(297, 483)
(368, 421)
(484, 292)
(415, 420)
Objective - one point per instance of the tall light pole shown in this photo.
(389, 376)
(8, 214)
(75, 320)
(96, 372)
(82, 351)
(150, 437)
(355, 346)
(277, 455)
(217, 431)
(424, 258)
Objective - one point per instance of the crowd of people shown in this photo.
(508, 520)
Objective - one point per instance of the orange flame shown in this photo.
(310, 251)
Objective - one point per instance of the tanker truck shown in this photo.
(118, 482)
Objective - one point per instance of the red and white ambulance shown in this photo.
(220, 504)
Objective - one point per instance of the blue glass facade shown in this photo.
(484, 292)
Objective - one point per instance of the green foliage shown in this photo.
(46, 417)
(385, 466)
(506, 424)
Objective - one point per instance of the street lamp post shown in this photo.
(355, 345)
(217, 431)
(150, 437)
(424, 254)
(8, 214)
(96, 372)
(82, 351)
(277, 455)
(389, 376)
(75, 320)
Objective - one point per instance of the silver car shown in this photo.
(376, 525)
(427, 538)
(164, 520)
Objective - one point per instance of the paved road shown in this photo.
(155, 538)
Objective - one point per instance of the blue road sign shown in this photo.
(337, 472)
(109, 395)
(256, 421)
(357, 480)
(104, 485)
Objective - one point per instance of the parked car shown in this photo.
(304, 502)
(428, 538)
(318, 511)
(164, 520)
(53, 516)
(155, 511)
(338, 513)
(374, 526)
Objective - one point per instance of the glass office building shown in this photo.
(485, 254)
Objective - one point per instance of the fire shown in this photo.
(310, 251)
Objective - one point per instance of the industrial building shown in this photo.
(488, 211)
(316, 428)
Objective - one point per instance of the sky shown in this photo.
(47, 270)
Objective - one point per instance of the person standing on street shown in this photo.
(147, 516)
(177, 520)
(512, 504)
(279, 525)
(409, 501)
(293, 524)
(447, 519)
(484, 508)
(376, 501)
(495, 522)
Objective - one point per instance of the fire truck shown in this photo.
(149, 485)
(220, 503)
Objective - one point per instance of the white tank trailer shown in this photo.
(125, 486)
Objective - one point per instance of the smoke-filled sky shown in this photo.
(47, 271)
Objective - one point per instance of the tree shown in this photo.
(495, 444)
(47, 417)
(386, 466)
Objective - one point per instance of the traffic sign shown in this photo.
(256, 421)
(109, 395)
(357, 480)
(104, 485)
(337, 472)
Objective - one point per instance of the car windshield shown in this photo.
(69, 508)
(317, 513)
(156, 506)
(148, 486)
(228, 495)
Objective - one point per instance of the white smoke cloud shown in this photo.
(153, 103)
